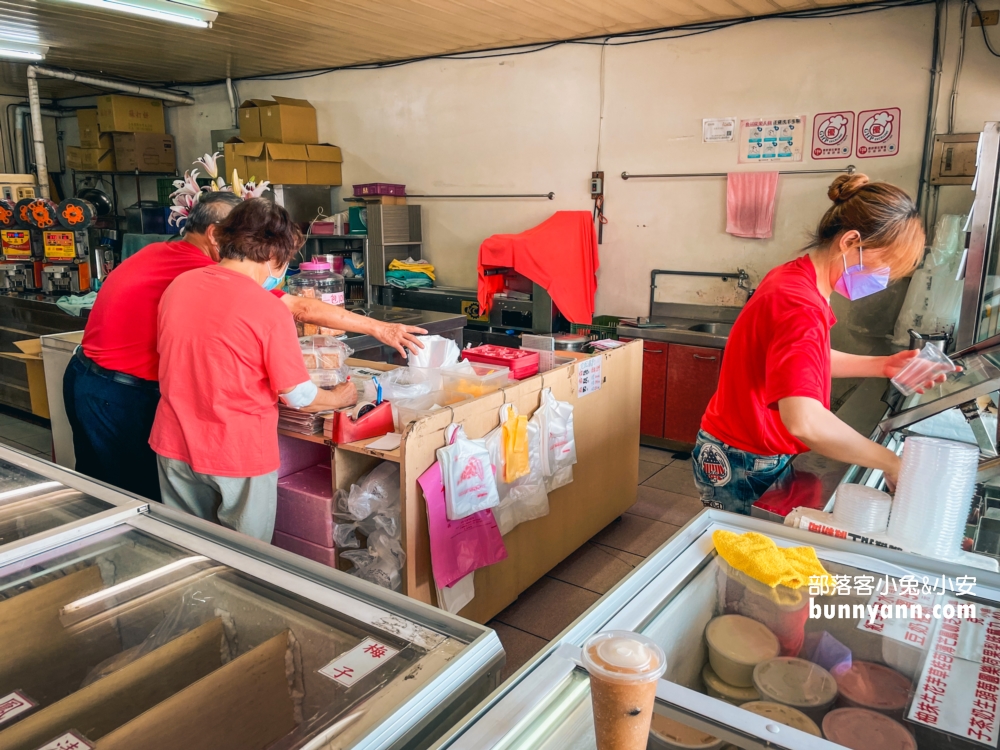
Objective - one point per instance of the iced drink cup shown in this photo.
(624, 668)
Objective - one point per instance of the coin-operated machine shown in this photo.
(66, 246)
(20, 248)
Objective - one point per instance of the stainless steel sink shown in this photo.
(718, 329)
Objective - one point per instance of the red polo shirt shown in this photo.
(779, 347)
(121, 329)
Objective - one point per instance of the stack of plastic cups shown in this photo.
(863, 510)
(936, 484)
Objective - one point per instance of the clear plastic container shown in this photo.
(412, 409)
(316, 280)
(922, 369)
(481, 380)
(798, 683)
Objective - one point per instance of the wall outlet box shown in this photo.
(985, 17)
(596, 184)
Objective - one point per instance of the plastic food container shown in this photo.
(786, 715)
(926, 366)
(718, 688)
(327, 378)
(736, 645)
(875, 687)
(667, 734)
(484, 379)
(316, 280)
(521, 362)
(797, 683)
(861, 729)
(412, 409)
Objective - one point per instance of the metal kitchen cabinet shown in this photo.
(127, 625)
(674, 594)
(692, 377)
(654, 387)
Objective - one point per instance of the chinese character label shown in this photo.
(772, 139)
(589, 378)
(718, 130)
(878, 133)
(352, 665)
(13, 705)
(833, 135)
(68, 741)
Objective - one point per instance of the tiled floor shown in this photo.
(667, 500)
(32, 437)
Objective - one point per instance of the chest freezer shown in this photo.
(912, 681)
(150, 628)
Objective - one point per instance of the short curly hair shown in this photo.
(260, 231)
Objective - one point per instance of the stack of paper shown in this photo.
(301, 422)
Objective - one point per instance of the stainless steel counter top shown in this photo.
(692, 325)
(449, 325)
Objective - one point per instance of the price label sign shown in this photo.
(68, 741)
(352, 665)
(589, 378)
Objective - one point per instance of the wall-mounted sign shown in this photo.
(772, 139)
(833, 135)
(878, 133)
(718, 129)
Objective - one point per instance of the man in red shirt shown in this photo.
(111, 387)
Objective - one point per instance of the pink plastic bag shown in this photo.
(458, 547)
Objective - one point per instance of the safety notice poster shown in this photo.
(772, 139)
(878, 133)
(833, 135)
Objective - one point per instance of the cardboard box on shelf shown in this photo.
(90, 131)
(281, 120)
(284, 163)
(91, 159)
(129, 114)
(147, 152)
(324, 167)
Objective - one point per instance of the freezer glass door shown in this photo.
(132, 641)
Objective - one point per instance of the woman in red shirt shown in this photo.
(228, 351)
(773, 398)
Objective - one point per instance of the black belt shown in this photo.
(117, 377)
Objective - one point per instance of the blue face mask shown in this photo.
(857, 281)
(271, 282)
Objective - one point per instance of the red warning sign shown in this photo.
(833, 135)
(878, 133)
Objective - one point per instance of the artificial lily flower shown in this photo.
(210, 163)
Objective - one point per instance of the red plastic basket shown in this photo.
(379, 188)
(522, 363)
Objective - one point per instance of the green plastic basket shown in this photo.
(603, 327)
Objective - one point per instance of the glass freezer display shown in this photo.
(161, 631)
(899, 652)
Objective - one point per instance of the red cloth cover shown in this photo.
(560, 255)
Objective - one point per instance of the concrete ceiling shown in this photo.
(256, 37)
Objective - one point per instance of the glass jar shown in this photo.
(317, 281)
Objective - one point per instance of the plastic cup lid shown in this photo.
(794, 682)
(716, 683)
(741, 639)
(673, 734)
(861, 729)
(314, 265)
(874, 686)
(623, 656)
(786, 715)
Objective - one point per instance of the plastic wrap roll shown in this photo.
(936, 484)
(43, 213)
(22, 213)
(76, 213)
(861, 509)
(7, 213)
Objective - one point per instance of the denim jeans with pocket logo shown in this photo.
(732, 479)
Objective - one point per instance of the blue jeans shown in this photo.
(112, 415)
(729, 478)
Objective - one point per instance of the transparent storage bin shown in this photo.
(412, 409)
(484, 379)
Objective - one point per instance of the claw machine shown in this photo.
(128, 625)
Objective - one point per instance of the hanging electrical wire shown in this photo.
(982, 26)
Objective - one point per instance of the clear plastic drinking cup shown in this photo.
(922, 369)
(624, 668)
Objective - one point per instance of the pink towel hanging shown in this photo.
(750, 203)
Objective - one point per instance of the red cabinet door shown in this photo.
(692, 376)
(654, 387)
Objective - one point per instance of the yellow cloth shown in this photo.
(761, 559)
(416, 267)
(515, 448)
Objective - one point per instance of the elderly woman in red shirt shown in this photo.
(773, 398)
(228, 352)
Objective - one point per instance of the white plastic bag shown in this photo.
(467, 474)
(525, 498)
(558, 441)
(437, 352)
(456, 596)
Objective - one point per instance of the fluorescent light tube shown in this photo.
(10, 50)
(160, 10)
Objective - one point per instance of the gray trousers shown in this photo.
(246, 504)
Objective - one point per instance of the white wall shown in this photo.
(530, 124)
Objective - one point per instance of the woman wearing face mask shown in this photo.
(773, 398)
(228, 352)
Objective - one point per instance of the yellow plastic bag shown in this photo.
(515, 446)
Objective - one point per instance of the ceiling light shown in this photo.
(10, 50)
(160, 10)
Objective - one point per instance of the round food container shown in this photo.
(786, 715)
(736, 645)
(797, 683)
(861, 729)
(717, 688)
(873, 686)
(667, 734)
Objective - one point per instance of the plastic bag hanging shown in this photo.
(467, 473)
(515, 446)
(558, 440)
(525, 498)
